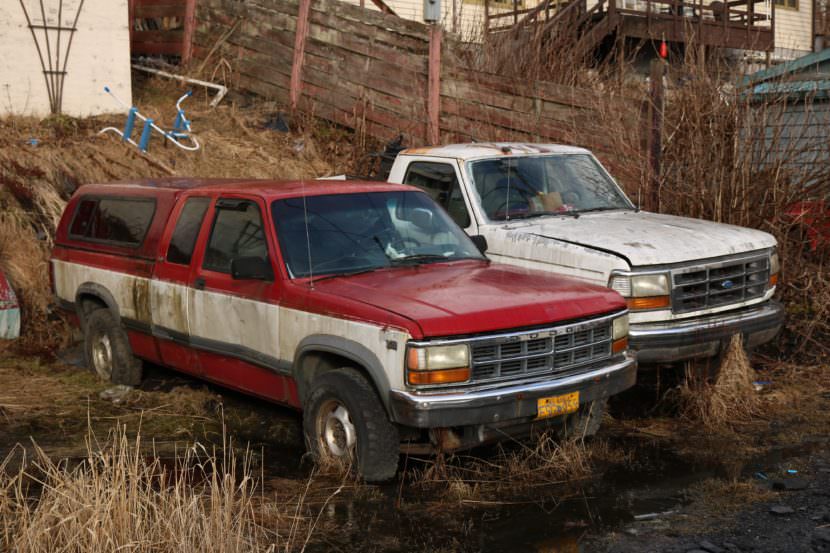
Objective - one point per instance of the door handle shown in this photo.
(199, 283)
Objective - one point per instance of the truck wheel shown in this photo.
(108, 350)
(345, 424)
(585, 422)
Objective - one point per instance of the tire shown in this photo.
(346, 425)
(585, 423)
(107, 349)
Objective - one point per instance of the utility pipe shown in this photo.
(220, 90)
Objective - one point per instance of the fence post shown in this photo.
(434, 85)
(653, 128)
(295, 88)
(189, 26)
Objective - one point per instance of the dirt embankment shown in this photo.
(43, 162)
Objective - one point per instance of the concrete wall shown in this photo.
(99, 56)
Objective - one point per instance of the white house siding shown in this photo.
(99, 56)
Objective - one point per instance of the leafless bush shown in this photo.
(730, 398)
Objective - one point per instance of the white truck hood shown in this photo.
(647, 238)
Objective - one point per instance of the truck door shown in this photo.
(234, 322)
(441, 182)
(171, 281)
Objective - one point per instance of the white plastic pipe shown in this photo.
(220, 90)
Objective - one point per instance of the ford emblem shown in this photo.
(727, 284)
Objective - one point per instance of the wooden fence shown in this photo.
(371, 71)
(162, 27)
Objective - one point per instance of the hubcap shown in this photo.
(102, 356)
(336, 431)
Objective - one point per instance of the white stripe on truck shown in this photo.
(263, 327)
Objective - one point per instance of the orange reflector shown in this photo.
(651, 302)
(773, 280)
(412, 359)
(446, 376)
(619, 345)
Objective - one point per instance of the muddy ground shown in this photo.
(650, 481)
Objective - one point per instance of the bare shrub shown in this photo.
(731, 398)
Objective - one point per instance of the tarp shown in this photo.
(9, 311)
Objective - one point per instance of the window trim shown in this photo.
(458, 183)
(102, 241)
(175, 226)
(781, 5)
(220, 204)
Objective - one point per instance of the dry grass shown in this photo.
(731, 398)
(515, 468)
(117, 498)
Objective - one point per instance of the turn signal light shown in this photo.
(619, 345)
(446, 376)
(773, 280)
(651, 302)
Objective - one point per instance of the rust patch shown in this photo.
(141, 300)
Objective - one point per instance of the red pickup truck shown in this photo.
(361, 304)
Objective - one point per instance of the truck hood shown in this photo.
(645, 238)
(469, 297)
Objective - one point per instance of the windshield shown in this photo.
(351, 233)
(518, 187)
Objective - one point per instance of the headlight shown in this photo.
(643, 291)
(438, 364)
(621, 327)
(774, 268)
(619, 334)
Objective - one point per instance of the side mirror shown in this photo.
(480, 242)
(251, 268)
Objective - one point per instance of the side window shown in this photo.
(83, 218)
(120, 221)
(438, 180)
(237, 232)
(187, 231)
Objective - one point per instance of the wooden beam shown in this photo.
(434, 84)
(383, 6)
(299, 53)
(189, 26)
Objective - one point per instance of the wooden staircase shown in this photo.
(565, 24)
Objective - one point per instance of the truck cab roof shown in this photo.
(478, 150)
(267, 189)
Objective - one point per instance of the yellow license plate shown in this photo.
(554, 406)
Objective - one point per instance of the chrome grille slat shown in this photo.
(524, 355)
(719, 283)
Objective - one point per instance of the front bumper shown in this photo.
(679, 340)
(509, 402)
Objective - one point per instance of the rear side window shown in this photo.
(237, 232)
(187, 231)
(119, 221)
(438, 180)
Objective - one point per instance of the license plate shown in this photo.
(554, 406)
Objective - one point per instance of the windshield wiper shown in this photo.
(603, 208)
(418, 258)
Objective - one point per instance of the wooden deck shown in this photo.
(722, 24)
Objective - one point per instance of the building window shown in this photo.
(788, 4)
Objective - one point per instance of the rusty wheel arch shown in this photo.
(91, 296)
(315, 359)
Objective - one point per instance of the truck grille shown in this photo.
(557, 351)
(719, 283)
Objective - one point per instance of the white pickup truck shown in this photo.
(690, 284)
